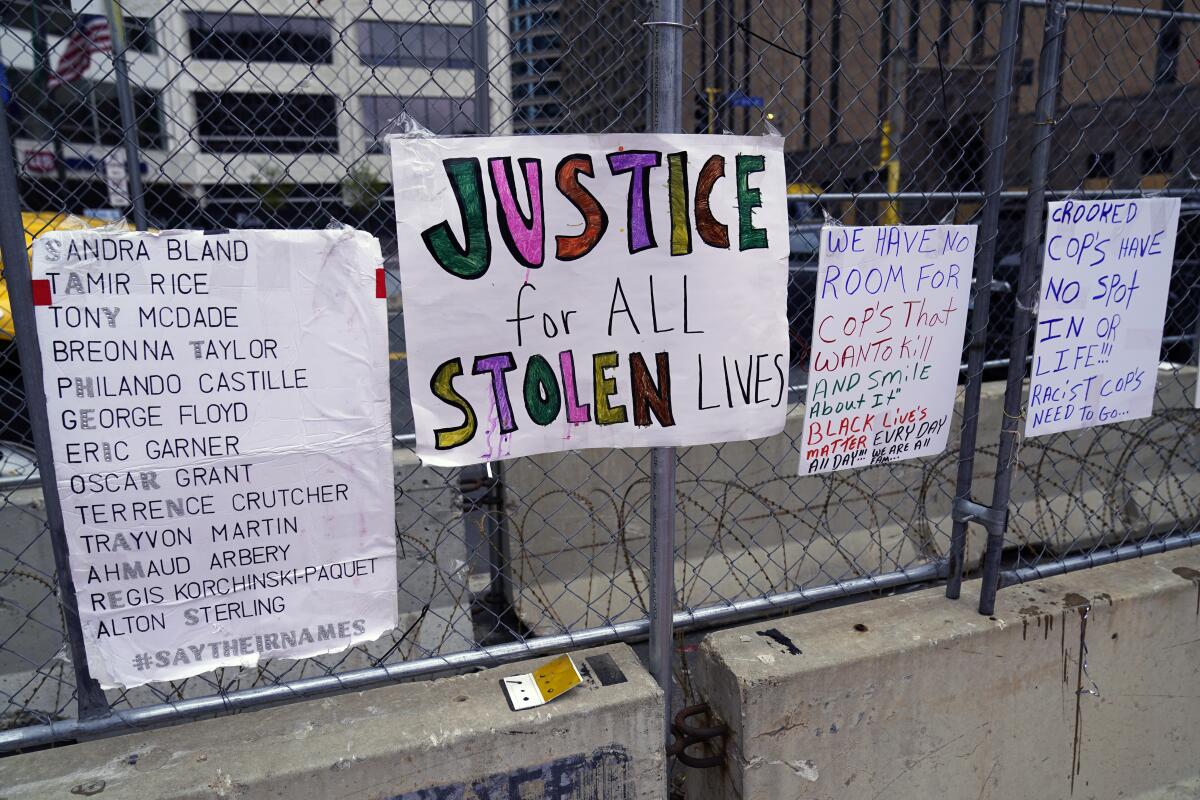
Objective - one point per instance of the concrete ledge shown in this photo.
(916, 696)
(451, 738)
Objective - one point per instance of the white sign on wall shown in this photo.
(618, 290)
(888, 324)
(1101, 309)
(219, 414)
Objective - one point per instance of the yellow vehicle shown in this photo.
(6, 323)
(804, 188)
(35, 224)
(804, 209)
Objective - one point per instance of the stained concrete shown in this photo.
(431, 571)
(451, 738)
(916, 696)
(1182, 790)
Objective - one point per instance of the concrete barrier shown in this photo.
(434, 603)
(452, 738)
(578, 524)
(1083, 686)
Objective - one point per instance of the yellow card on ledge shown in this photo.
(551, 680)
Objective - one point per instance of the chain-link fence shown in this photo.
(218, 114)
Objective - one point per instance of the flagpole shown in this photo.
(41, 59)
(129, 130)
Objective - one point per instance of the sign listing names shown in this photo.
(219, 415)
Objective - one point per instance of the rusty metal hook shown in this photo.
(687, 735)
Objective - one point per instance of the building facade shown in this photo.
(579, 66)
(537, 66)
(269, 112)
(831, 73)
(252, 113)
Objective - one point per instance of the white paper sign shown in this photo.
(1101, 310)
(563, 292)
(220, 417)
(888, 325)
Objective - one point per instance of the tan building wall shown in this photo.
(830, 112)
(829, 73)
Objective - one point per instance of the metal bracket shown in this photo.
(687, 735)
(966, 510)
(522, 692)
(651, 23)
(488, 489)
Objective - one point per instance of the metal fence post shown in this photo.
(993, 179)
(89, 695)
(129, 129)
(483, 63)
(41, 72)
(666, 101)
(500, 590)
(1049, 73)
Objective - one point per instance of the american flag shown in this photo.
(90, 35)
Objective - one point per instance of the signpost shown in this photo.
(116, 179)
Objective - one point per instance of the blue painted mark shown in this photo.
(601, 775)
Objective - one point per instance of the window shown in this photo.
(1157, 160)
(415, 44)
(531, 44)
(146, 112)
(1101, 165)
(253, 37)
(232, 122)
(139, 35)
(81, 117)
(139, 31)
(439, 114)
(538, 66)
(966, 154)
(978, 21)
(547, 89)
(528, 22)
(1169, 39)
(1025, 72)
(535, 113)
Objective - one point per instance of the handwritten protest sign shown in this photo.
(563, 292)
(219, 415)
(1103, 302)
(891, 310)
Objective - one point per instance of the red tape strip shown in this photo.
(380, 284)
(41, 292)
